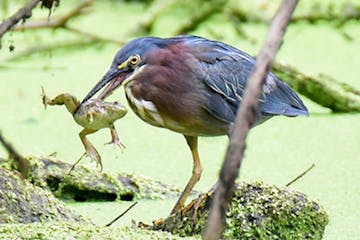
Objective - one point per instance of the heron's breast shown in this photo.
(146, 110)
(180, 114)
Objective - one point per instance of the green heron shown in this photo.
(193, 86)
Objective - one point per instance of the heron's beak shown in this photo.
(112, 79)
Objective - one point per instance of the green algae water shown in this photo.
(277, 151)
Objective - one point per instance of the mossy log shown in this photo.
(86, 184)
(257, 211)
(22, 202)
(324, 90)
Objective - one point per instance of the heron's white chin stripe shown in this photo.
(136, 71)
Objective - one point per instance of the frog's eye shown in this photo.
(135, 59)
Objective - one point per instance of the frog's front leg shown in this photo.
(45, 99)
(115, 138)
(71, 103)
(90, 150)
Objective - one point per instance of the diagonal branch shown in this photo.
(21, 164)
(22, 13)
(245, 118)
(60, 22)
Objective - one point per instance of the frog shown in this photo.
(92, 115)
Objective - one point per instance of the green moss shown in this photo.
(257, 211)
(71, 230)
(84, 184)
(22, 202)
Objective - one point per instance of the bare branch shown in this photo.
(95, 37)
(49, 47)
(60, 22)
(22, 13)
(245, 118)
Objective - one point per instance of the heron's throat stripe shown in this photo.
(136, 71)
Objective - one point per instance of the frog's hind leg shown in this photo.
(90, 150)
(115, 138)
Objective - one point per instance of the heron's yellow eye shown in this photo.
(134, 59)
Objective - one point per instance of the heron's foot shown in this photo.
(158, 223)
(194, 206)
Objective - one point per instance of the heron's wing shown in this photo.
(225, 70)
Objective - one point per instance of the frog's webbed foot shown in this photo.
(115, 138)
(90, 150)
(93, 154)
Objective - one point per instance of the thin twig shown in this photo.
(22, 13)
(46, 48)
(77, 161)
(245, 119)
(300, 175)
(122, 214)
(96, 37)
